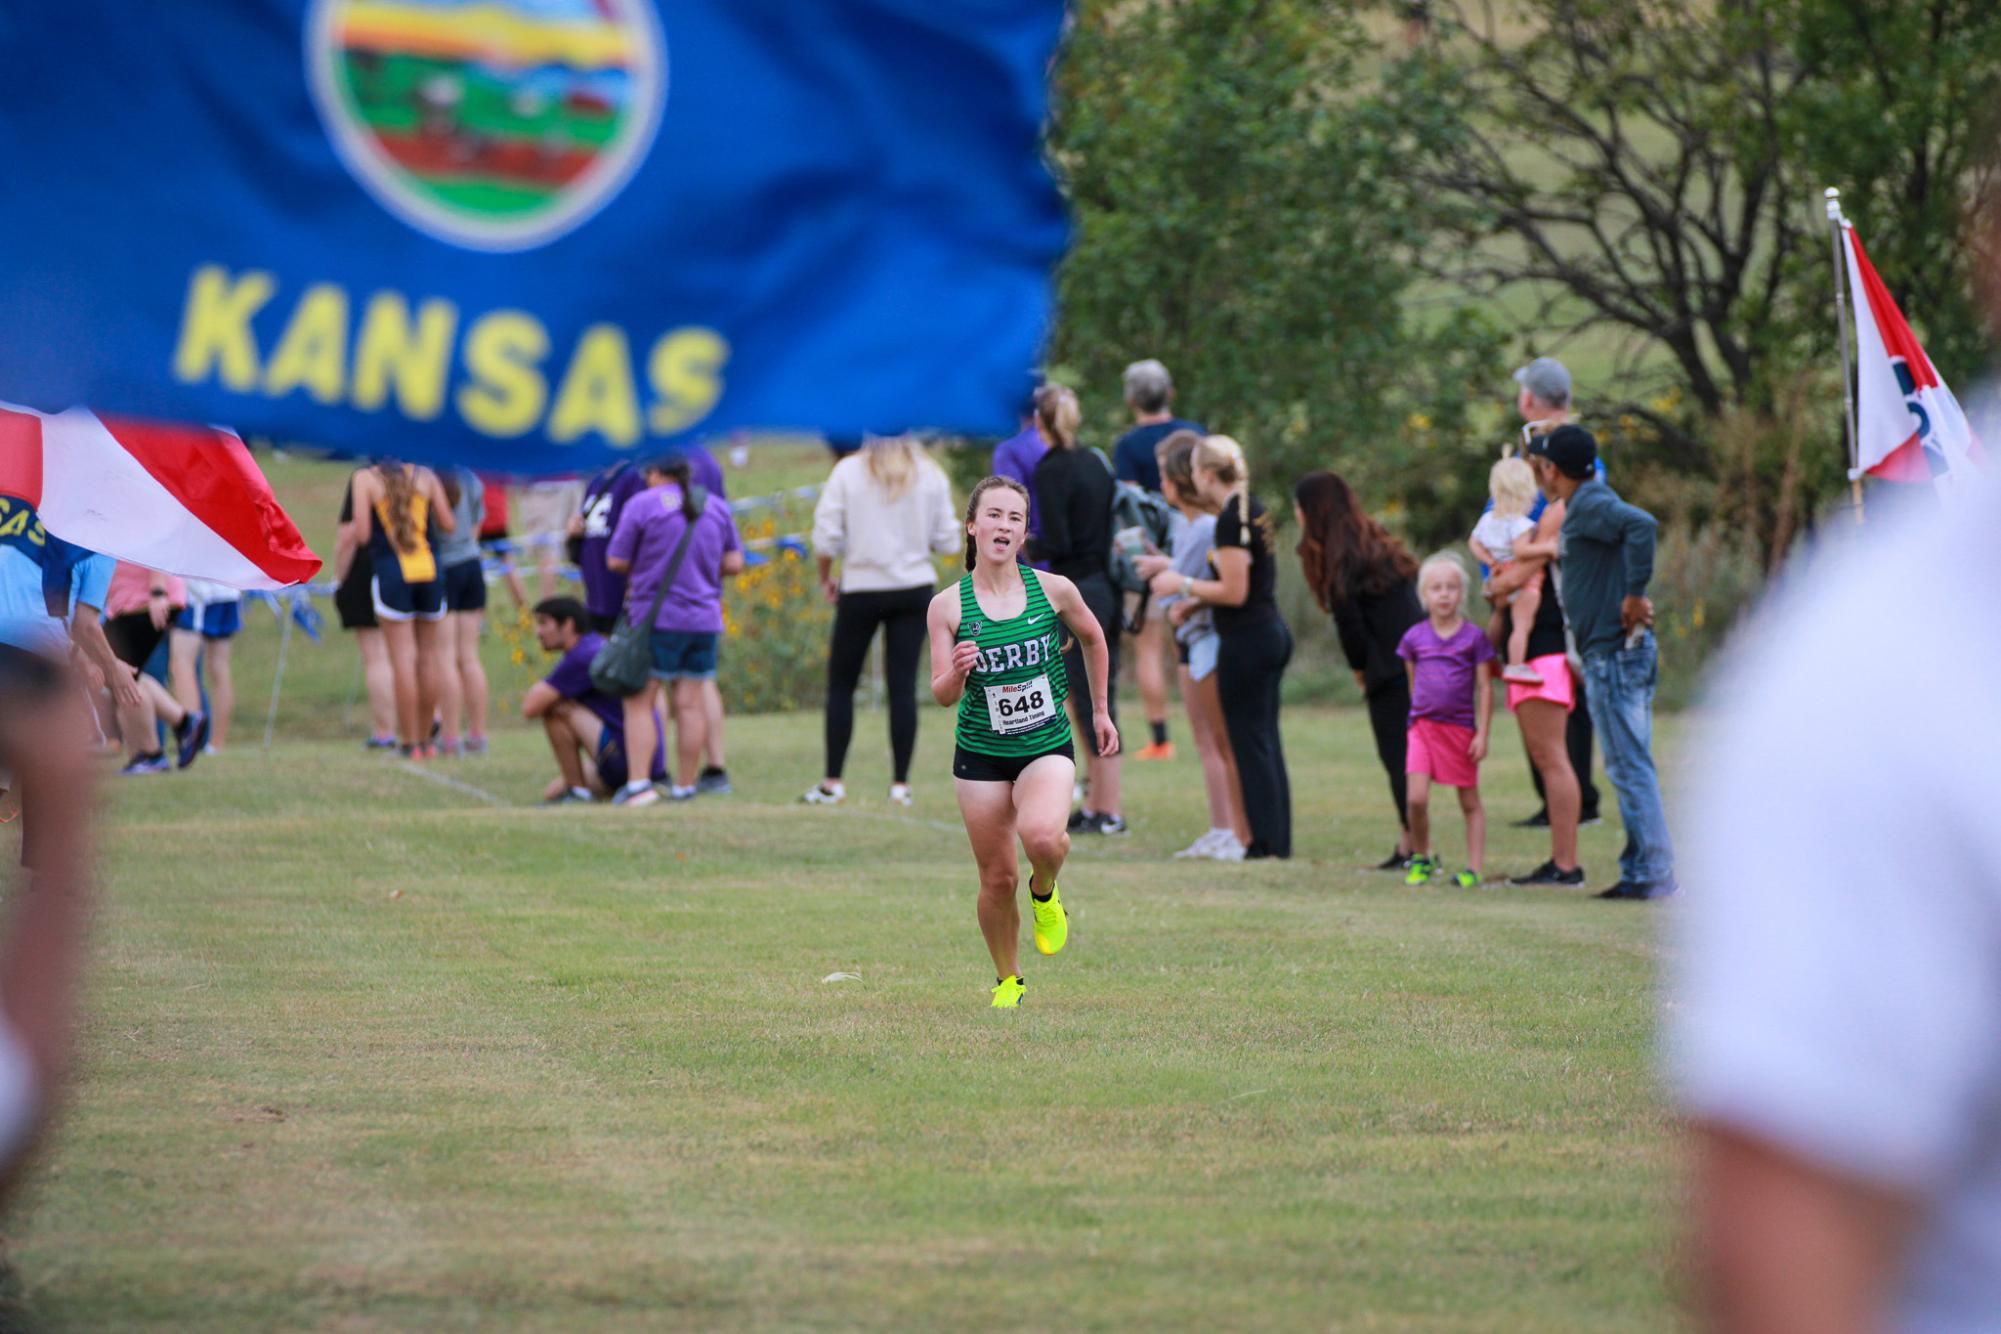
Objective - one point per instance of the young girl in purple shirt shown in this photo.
(1451, 666)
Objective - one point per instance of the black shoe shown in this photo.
(1540, 820)
(1548, 874)
(1112, 824)
(1083, 822)
(1626, 891)
(1587, 820)
(1396, 861)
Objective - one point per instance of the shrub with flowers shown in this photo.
(775, 619)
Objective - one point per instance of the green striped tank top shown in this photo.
(1013, 705)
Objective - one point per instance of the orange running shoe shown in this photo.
(1158, 750)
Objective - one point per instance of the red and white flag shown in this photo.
(183, 500)
(1908, 426)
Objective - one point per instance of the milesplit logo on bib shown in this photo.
(490, 124)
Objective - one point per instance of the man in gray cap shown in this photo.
(1544, 403)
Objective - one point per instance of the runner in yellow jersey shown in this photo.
(996, 637)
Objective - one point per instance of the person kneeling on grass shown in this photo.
(1451, 666)
(585, 726)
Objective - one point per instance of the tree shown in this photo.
(1243, 212)
(1654, 168)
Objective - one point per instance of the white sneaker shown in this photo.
(1227, 849)
(899, 795)
(1204, 846)
(821, 795)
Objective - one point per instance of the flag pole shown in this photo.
(1837, 226)
(278, 677)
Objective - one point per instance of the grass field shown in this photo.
(372, 1046)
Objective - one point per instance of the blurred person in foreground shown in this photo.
(51, 597)
(1835, 991)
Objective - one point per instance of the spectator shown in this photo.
(395, 506)
(139, 609)
(883, 514)
(353, 603)
(605, 497)
(1073, 493)
(1196, 647)
(706, 472)
(461, 675)
(1451, 668)
(140, 604)
(200, 644)
(689, 624)
(1543, 400)
(1366, 579)
(585, 727)
(494, 540)
(1255, 643)
(1608, 548)
(1542, 710)
(1149, 392)
(1015, 458)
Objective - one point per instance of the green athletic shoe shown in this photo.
(1052, 923)
(1467, 879)
(1008, 993)
(1420, 872)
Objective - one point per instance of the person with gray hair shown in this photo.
(1149, 393)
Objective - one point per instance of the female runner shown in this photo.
(995, 652)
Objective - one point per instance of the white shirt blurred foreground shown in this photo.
(1836, 985)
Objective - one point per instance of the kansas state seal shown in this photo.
(491, 124)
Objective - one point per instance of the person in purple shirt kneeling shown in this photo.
(687, 630)
(585, 726)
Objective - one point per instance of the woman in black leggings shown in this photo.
(882, 513)
(1365, 578)
(1256, 644)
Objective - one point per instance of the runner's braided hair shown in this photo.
(973, 505)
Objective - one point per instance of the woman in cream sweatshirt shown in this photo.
(882, 515)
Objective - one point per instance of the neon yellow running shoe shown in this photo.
(1008, 993)
(1052, 924)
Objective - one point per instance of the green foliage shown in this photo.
(1243, 214)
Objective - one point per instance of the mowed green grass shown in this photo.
(366, 1049)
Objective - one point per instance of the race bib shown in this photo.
(1021, 707)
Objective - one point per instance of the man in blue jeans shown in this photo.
(1608, 559)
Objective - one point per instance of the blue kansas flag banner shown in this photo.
(528, 235)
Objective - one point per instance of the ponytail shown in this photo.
(1057, 415)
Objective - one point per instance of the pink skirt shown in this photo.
(1556, 686)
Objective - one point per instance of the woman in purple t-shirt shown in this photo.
(689, 625)
(1451, 666)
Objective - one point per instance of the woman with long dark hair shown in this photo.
(1363, 577)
